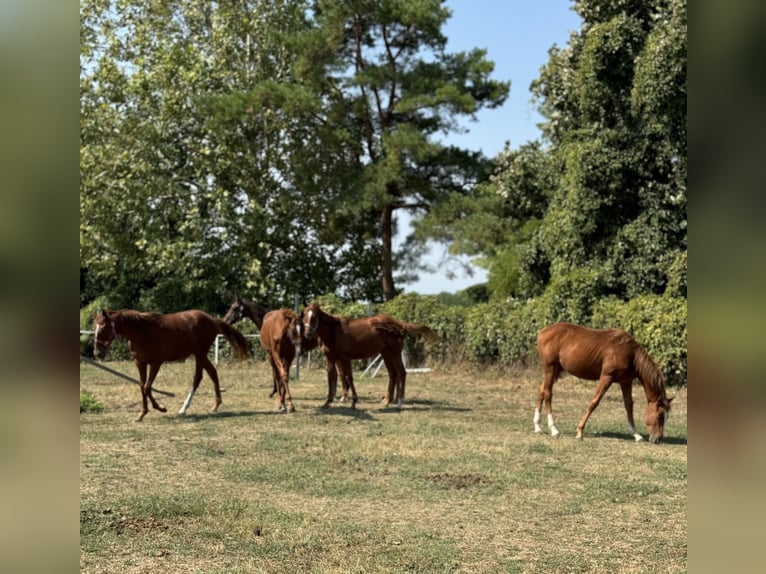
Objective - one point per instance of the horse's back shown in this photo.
(275, 325)
(586, 352)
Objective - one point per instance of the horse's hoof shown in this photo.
(639, 438)
(325, 406)
(162, 409)
(291, 409)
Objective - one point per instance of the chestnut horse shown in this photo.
(281, 339)
(344, 339)
(256, 312)
(608, 356)
(154, 338)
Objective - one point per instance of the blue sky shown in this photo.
(517, 35)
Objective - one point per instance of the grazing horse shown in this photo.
(344, 339)
(154, 338)
(608, 356)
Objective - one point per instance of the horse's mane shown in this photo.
(649, 373)
(133, 316)
(329, 317)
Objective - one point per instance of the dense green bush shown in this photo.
(505, 333)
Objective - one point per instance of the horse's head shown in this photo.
(295, 332)
(235, 312)
(104, 333)
(310, 320)
(657, 414)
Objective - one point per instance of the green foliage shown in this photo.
(504, 333)
(240, 148)
(89, 404)
(608, 191)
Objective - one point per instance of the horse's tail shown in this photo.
(650, 374)
(235, 338)
(401, 328)
(422, 331)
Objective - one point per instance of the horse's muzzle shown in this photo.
(654, 439)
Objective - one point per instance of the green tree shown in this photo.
(615, 107)
(264, 147)
(384, 88)
(605, 198)
(183, 200)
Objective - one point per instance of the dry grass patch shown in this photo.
(455, 482)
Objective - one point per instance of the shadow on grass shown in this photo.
(625, 436)
(195, 417)
(344, 411)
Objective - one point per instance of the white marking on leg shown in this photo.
(536, 420)
(187, 403)
(551, 426)
(632, 430)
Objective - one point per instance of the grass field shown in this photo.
(455, 482)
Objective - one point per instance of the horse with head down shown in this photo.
(344, 339)
(608, 356)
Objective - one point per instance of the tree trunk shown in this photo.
(386, 253)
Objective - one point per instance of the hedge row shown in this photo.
(504, 334)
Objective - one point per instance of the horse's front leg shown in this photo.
(545, 395)
(347, 379)
(627, 398)
(154, 368)
(332, 381)
(603, 385)
(280, 405)
(141, 366)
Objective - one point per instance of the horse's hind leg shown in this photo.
(627, 397)
(550, 374)
(603, 385)
(392, 393)
(401, 382)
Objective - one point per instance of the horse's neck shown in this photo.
(128, 324)
(256, 314)
(326, 323)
